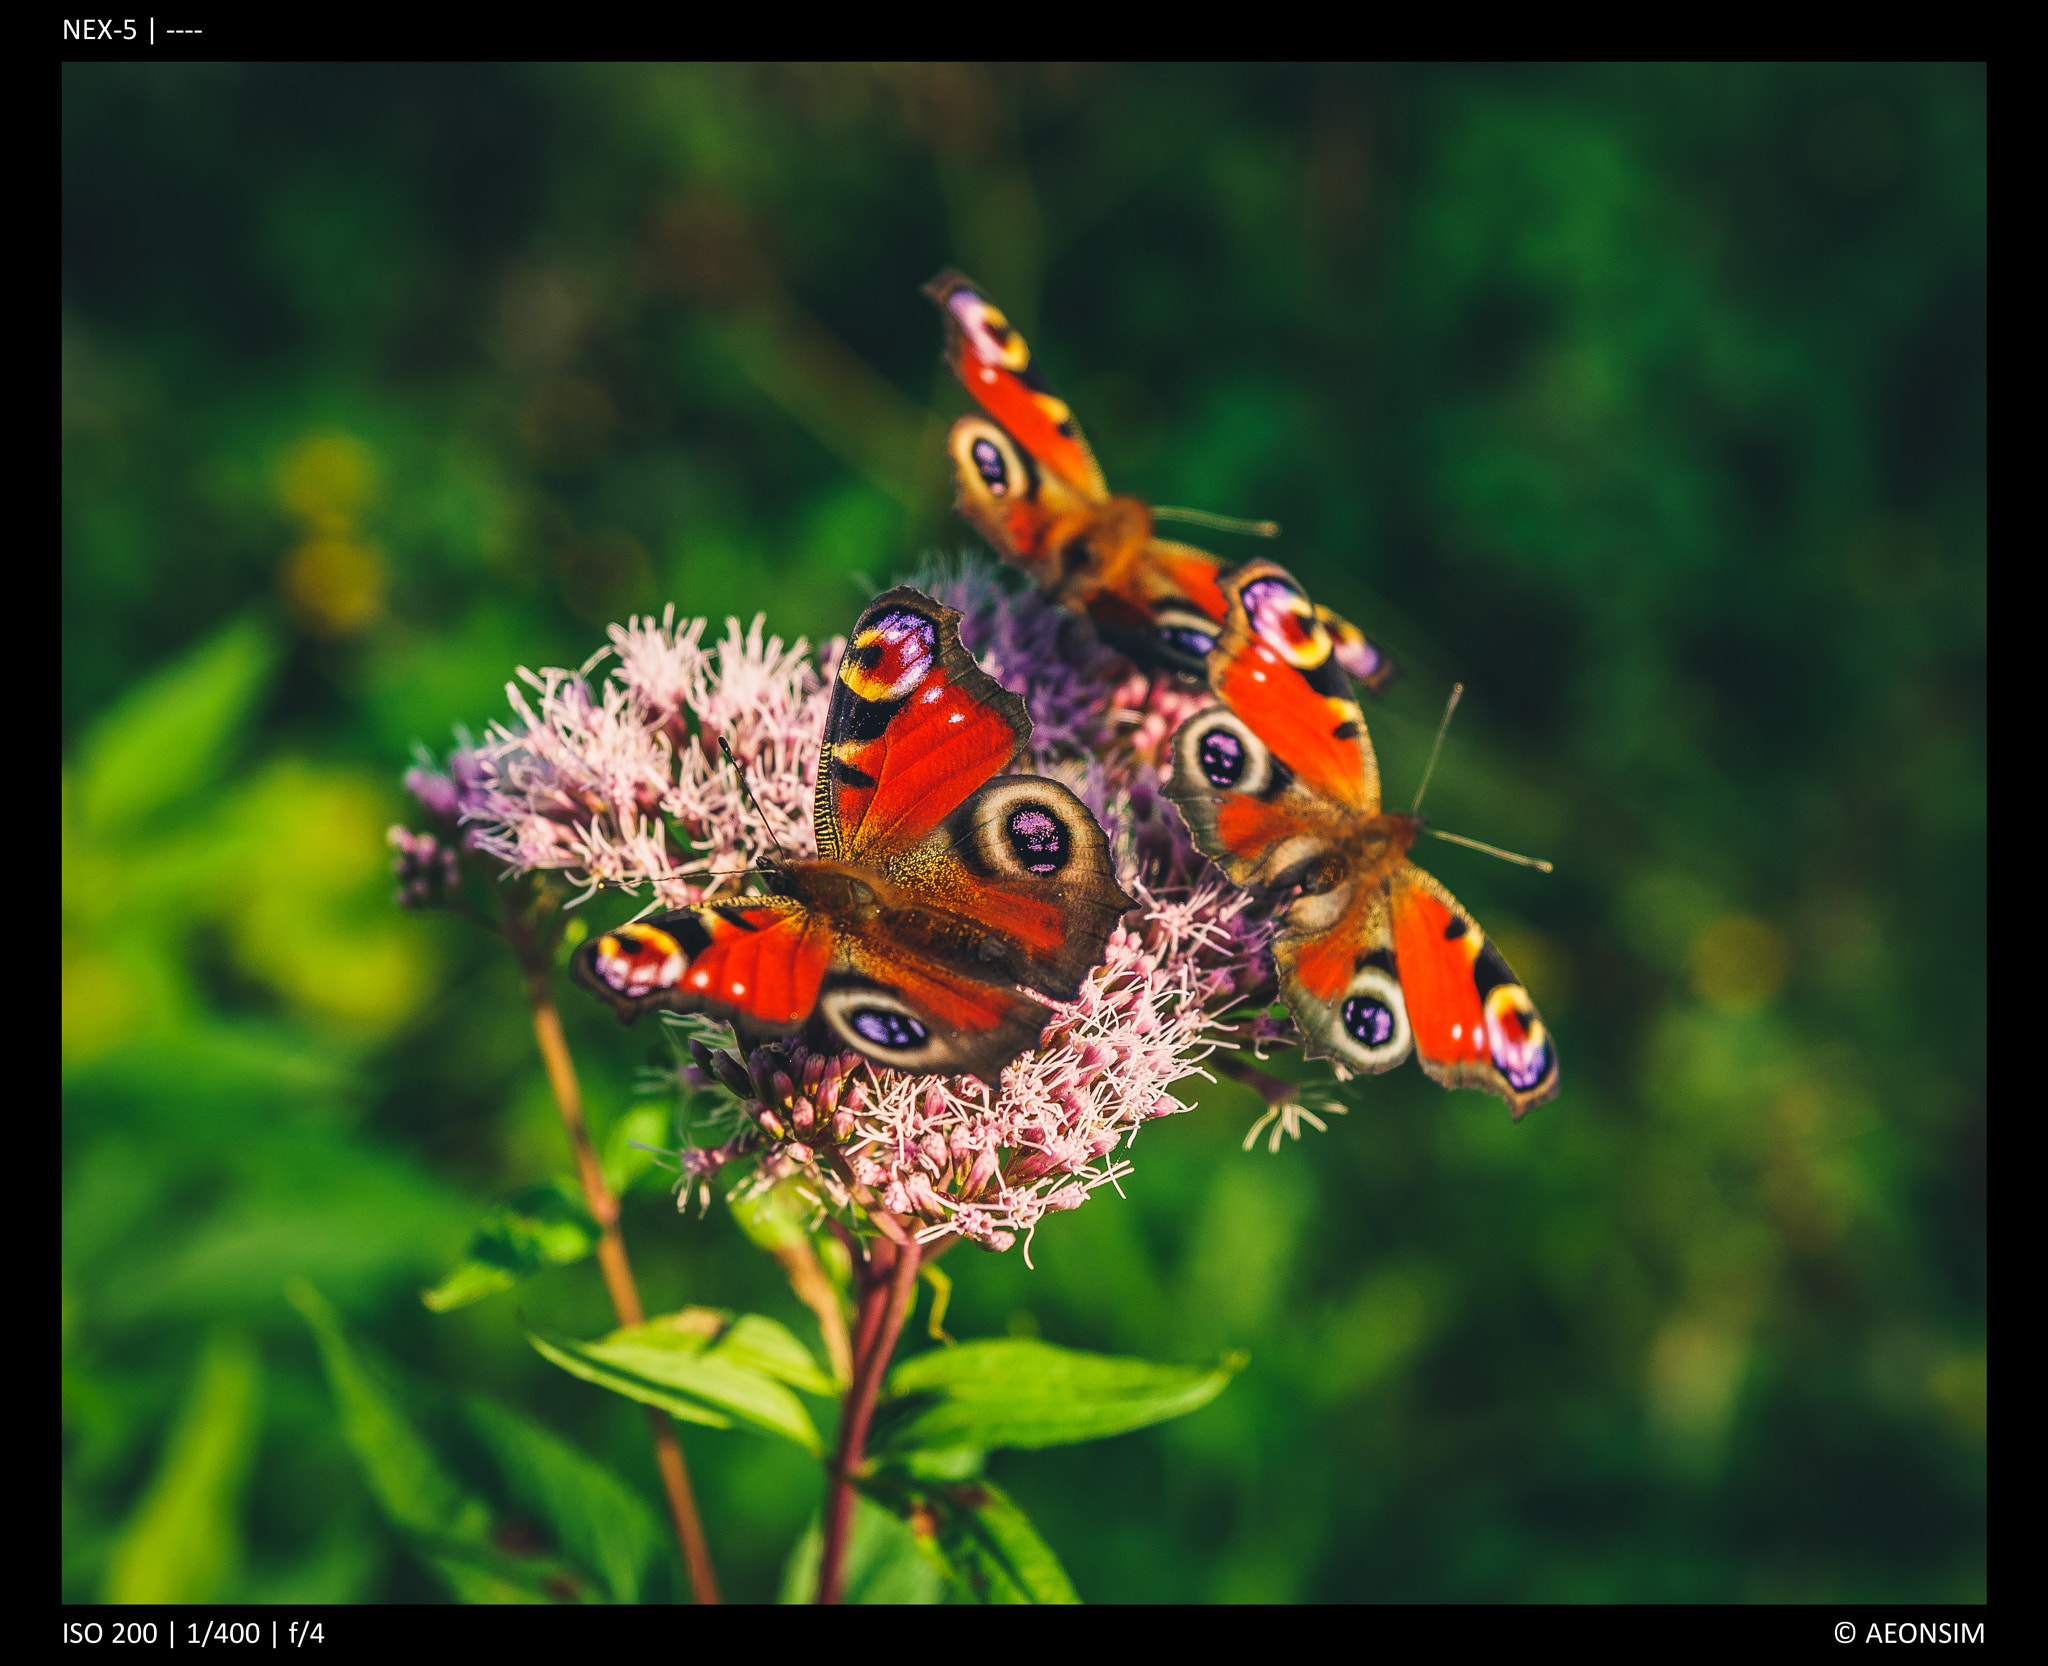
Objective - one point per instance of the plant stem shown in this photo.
(618, 1272)
(888, 1283)
(807, 1278)
(1268, 1087)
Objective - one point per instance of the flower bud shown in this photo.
(1032, 1165)
(732, 1074)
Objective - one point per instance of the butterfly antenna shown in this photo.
(741, 776)
(1219, 523)
(1535, 862)
(1450, 705)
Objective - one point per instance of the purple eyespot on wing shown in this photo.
(1368, 1022)
(637, 960)
(886, 1027)
(1282, 617)
(1185, 639)
(1222, 758)
(891, 657)
(986, 329)
(1360, 658)
(1038, 840)
(1517, 1039)
(988, 461)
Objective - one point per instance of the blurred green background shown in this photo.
(1648, 402)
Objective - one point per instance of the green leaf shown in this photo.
(766, 1345)
(1024, 1393)
(183, 1541)
(886, 1562)
(599, 1521)
(627, 1161)
(704, 1367)
(543, 1226)
(448, 1525)
(169, 735)
(996, 1554)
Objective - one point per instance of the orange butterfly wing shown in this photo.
(1031, 486)
(994, 364)
(1279, 785)
(1475, 1025)
(1275, 667)
(758, 964)
(915, 726)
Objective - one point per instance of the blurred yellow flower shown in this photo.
(327, 481)
(334, 585)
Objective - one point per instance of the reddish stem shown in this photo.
(612, 1262)
(888, 1283)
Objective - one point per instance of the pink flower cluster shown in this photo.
(955, 1155)
(622, 784)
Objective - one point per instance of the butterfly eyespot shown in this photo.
(989, 461)
(1195, 644)
(989, 332)
(1285, 620)
(1357, 655)
(637, 960)
(1517, 1039)
(1222, 756)
(1185, 631)
(1217, 751)
(1367, 1021)
(885, 1027)
(888, 660)
(1039, 842)
(1371, 1030)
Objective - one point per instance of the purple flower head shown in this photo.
(449, 797)
(427, 870)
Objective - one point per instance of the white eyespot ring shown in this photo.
(1369, 1029)
(987, 462)
(1031, 828)
(1218, 747)
(881, 1026)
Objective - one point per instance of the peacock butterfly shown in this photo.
(942, 902)
(1029, 484)
(1280, 786)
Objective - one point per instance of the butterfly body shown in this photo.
(1027, 481)
(946, 903)
(1279, 785)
